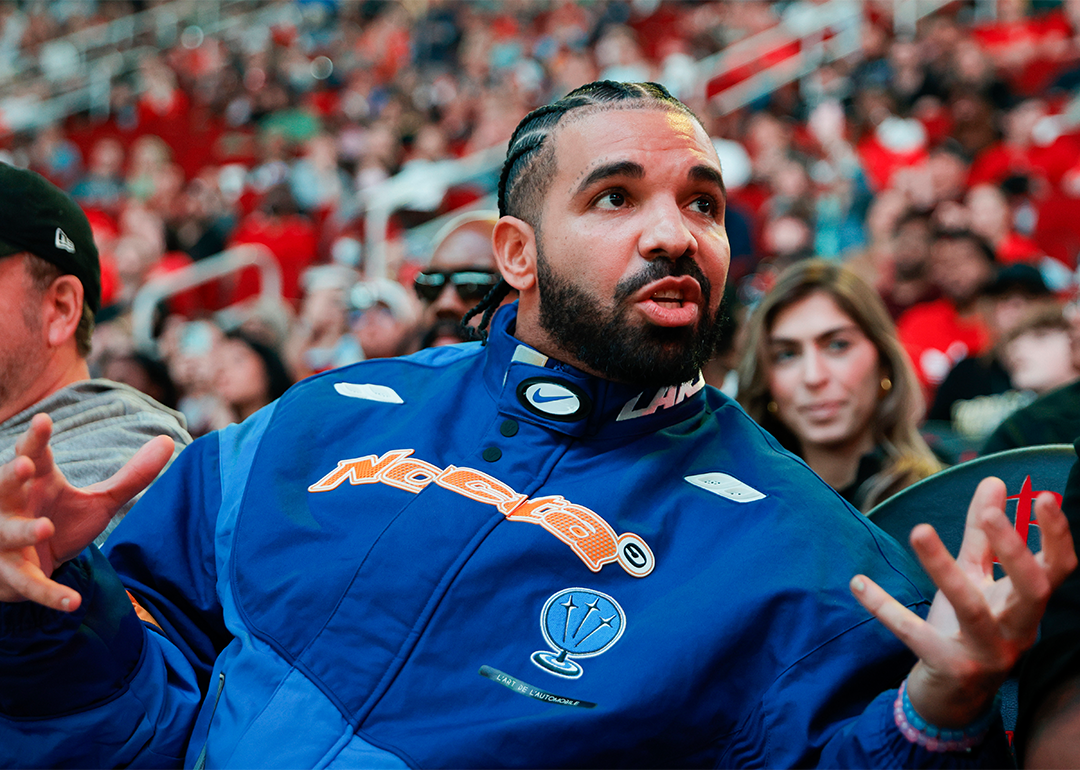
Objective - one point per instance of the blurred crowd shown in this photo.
(940, 164)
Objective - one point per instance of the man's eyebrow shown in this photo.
(708, 174)
(625, 168)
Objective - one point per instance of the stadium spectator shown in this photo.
(249, 375)
(978, 392)
(460, 273)
(320, 338)
(102, 186)
(1037, 352)
(51, 287)
(824, 372)
(384, 318)
(1050, 419)
(938, 333)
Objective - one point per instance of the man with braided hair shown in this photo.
(554, 548)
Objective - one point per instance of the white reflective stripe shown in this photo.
(368, 392)
(527, 355)
(726, 486)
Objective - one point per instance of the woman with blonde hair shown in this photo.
(824, 372)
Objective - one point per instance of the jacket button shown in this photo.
(509, 428)
(492, 453)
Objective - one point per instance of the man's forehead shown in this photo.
(647, 126)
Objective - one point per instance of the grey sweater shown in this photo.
(97, 426)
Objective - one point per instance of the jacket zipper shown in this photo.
(200, 763)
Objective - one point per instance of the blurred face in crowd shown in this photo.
(959, 268)
(380, 333)
(624, 275)
(1009, 309)
(242, 381)
(824, 374)
(911, 247)
(989, 210)
(1040, 360)
(461, 272)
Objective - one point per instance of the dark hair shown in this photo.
(530, 159)
(953, 234)
(277, 377)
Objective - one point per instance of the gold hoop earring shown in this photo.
(772, 407)
(886, 384)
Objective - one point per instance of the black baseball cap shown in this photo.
(38, 217)
(1020, 278)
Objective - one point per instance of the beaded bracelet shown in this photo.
(918, 731)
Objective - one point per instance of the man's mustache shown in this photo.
(664, 268)
(444, 327)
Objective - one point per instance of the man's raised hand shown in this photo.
(977, 627)
(44, 521)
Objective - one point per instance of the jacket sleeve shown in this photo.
(815, 714)
(98, 687)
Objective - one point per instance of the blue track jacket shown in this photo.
(473, 557)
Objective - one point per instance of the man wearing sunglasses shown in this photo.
(461, 272)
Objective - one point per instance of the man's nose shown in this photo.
(665, 233)
(448, 301)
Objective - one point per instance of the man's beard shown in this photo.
(606, 339)
(24, 361)
(444, 327)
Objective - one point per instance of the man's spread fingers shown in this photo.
(908, 627)
(990, 493)
(138, 472)
(17, 532)
(965, 597)
(26, 579)
(1058, 553)
(35, 440)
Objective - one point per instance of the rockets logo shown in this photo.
(585, 531)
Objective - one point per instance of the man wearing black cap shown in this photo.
(50, 289)
(978, 392)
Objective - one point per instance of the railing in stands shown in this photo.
(154, 292)
(77, 72)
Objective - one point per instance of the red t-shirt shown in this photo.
(936, 337)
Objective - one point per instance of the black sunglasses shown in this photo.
(470, 285)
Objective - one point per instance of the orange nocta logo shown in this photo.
(585, 531)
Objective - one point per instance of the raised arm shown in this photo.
(977, 627)
(45, 521)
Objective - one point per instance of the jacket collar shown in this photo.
(536, 388)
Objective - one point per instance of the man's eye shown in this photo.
(704, 205)
(611, 200)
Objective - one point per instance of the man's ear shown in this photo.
(514, 242)
(62, 307)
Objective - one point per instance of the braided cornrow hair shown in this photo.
(530, 161)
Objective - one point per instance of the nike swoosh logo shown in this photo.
(540, 398)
